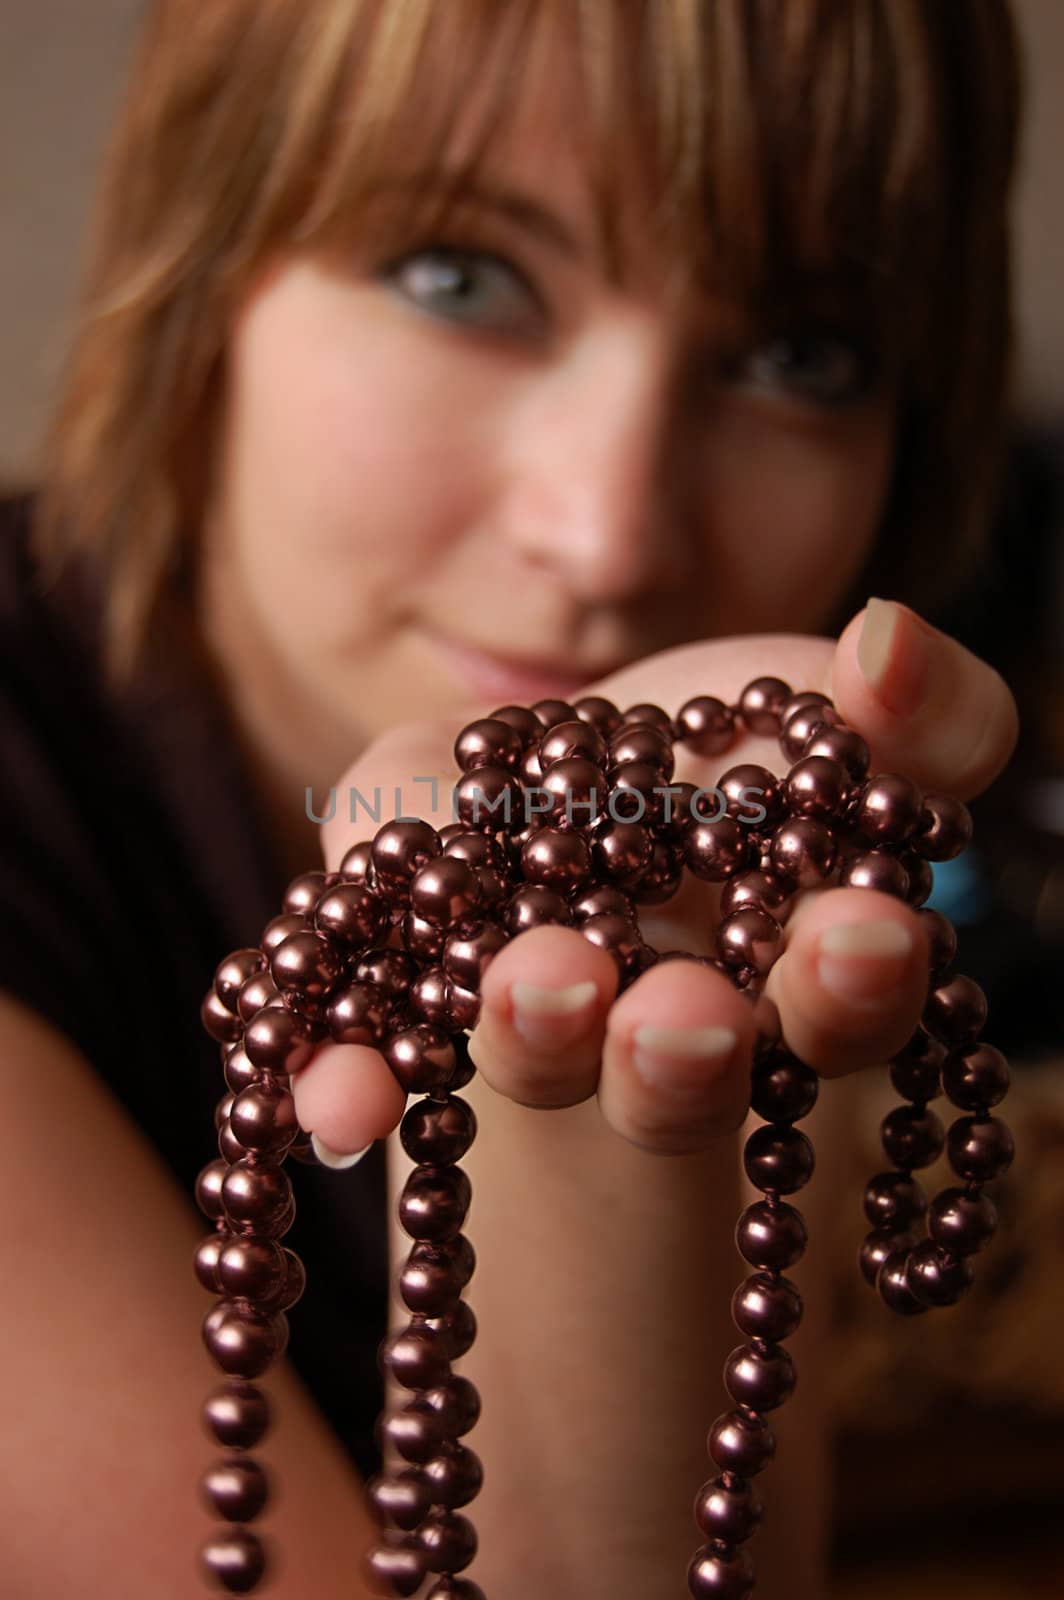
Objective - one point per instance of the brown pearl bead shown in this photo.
(741, 1443)
(749, 937)
(716, 850)
(637, 793)
(449, 1541)
(713, 1576)
(645, 714)
(468, 954)
(840, 744)
(488, 742)
(424, 940)
(237, 1414)
(263, 1118)
(351, 914)
(960, 1222)
(401, 1566)
(728, 1511)
(455, 1402)
(209, 1189)
(875, 869)
(662, 877)
(243, 1340)
(357, 862)
(444, 891)
(281, 928)
(256, 993)
(916, 1070)
(391, 971)
(438, 1132)
(303, 892)
(979, 1148)
(434, 1203)
(800, 717)
(235, 1488)
(921, 878)
(936, 1279)
(489, 798)
(295, 1282)
(606, 900)
(551, 712)
(706, 725)
(221, 1023)
(450, 1588)
(642, 744)
(455, 1476)
(276, 1040)
(877, 1246)
(893, 1201)
(415, 1357)
(572, 740)
(761, 889)
(465, 1009)
(557, 859)
(422, 1058)
(416, 1432)
(434, 1275)
(229, 1147)
(619, 937)
(783, 1089)
(889, 809)
(767, 1306)
(912, 1137)
(533, 905)
(307, 962)
(524, 722)
(760, 1379)
(455, 1329)
(234, 1559)
(400, 848)
(359, 1014)
(621, 851)
(255, 1196)
(239, 1072)
(945, 828)
(251, 1269)
(818, 787)
(977, 1079)
(956, 1012)
(403, 1499)
(751, 793)
(892, 1283)
(771, 1236)
(778, 1159)
(760, 704)
(205, 1263)
(233, 973)
(941, 939)
(802, 852)
(599, 713)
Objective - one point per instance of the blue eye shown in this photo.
(826, 369)
(471, 287)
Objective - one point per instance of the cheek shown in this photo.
(341, 487)
(793, 513)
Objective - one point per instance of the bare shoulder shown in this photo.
(102, 1369)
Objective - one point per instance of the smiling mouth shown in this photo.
(490, 675)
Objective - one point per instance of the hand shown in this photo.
(669, 1060)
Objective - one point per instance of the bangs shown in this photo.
(795, 151)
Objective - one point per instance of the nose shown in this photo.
(591, 491)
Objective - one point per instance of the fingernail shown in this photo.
(859, 960)
(332, 1158)
(892, 655)
(675, 1059)
(551, 1016)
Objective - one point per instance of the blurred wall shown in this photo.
(61, 64)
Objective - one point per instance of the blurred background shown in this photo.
(951, 1427)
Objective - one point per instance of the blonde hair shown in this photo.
(856, 148)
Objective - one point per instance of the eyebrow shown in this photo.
(515, 206)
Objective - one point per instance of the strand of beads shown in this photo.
(390, 952)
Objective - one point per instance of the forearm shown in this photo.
(602, 1295)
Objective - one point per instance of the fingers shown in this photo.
(852, 981)
(347, 1097)
(927, 706)
(542, 1021)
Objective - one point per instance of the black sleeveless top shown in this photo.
(132, 859)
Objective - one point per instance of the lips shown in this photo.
(490, 675)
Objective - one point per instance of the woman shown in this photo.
(436, 356)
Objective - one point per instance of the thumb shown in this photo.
(927, 706)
